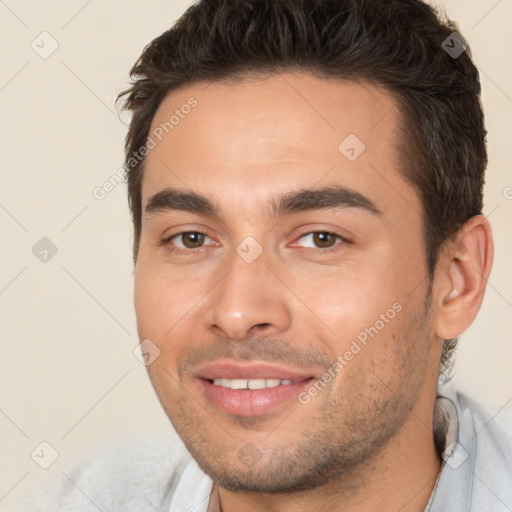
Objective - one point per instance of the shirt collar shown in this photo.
(455, 425)
(446, 431)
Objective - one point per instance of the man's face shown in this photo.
(317, 305)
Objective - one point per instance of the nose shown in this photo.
(249, 300)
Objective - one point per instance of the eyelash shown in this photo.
(167, 241)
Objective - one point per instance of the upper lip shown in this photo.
(230, 369)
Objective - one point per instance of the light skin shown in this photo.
(364, 441)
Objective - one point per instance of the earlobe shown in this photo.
(464, 278)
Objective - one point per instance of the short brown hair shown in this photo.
(397, 44)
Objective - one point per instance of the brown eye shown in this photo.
(192, 239)
(323, 239)
(320, 240)
(186, 240)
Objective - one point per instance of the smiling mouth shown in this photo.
(250, 388)
(253, 397)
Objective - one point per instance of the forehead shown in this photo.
(256, 136)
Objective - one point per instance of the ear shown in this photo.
(462, 279)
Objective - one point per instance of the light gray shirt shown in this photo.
(159, 475)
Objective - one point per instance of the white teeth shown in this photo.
(256, 384)
(251, 383)
(238, 384)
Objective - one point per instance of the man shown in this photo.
(305, 179)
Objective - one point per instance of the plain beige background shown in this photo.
(69, 376)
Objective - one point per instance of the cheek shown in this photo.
(153, 304)
(157, 320)
(387, 364)
(166, 302)
(145, 300)
(350, 300)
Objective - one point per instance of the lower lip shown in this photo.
(251, 402)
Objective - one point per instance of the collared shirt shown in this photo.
(160, 475)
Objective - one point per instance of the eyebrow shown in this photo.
(336, 196)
